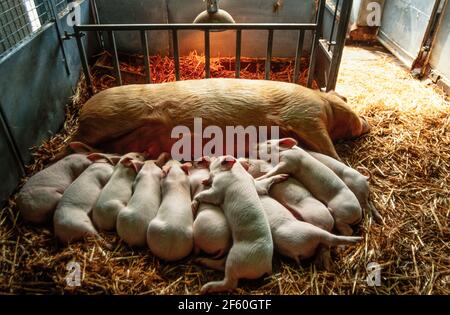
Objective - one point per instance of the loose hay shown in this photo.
(192, 67)
(407, 154)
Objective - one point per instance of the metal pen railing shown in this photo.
(111, 29)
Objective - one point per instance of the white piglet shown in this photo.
(71, 220)
(251, 253)
(212, 234)
(296, 239)
(358, 183)
(117, 192)
(294, 196)
(322, 182)
(133, 220)
(38, 198)
(169, 234)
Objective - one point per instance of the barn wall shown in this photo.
(440, 53)
(403, 27)
(34, 91)
(223, 44)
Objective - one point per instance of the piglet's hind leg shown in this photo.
(226, 284)
(216, 264)
(277, 170)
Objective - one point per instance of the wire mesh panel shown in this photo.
(60, 5)
(21, 18)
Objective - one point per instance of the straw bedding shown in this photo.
(407, 155)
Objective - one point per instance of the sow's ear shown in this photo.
(333, 92)
(288, 143)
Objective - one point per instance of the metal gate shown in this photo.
(331, 47)
(406, 27)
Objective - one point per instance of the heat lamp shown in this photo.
(213, 14)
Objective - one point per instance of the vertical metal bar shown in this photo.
(176, 54)
(84, 61)
(298, 54)
(207, 55)
(330, 41)
(144, 42)
(112, 42)
(96, 19)
(238, 53)
(339, 48)
(58, 33)
(12, 142)
(269, 53)
(315, 45)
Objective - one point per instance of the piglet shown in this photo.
(251, 253)
(358, 183)
(169, 234)
(212, 234)
(294, 196)
(71, 220)
(322, 182)
(38, 198)
(133, 220)
(117, 192)
(296, 239)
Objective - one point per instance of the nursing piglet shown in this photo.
(296, 239)
(294, 196)
(251, 253)
(71, 220)
(212, 234)
(354, 180)
(322, 182)
(169, 234)
(38, 198)
(133, 220)
(117, 192)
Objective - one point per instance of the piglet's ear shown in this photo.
(165, 170)
(245, 163)
(186, 167)
(134, 164)
(228, 162)
(162, 159)
(204, 161)
(207, 182)
(288, 143)
(94, 157)
(80, 147)
(114, 159)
